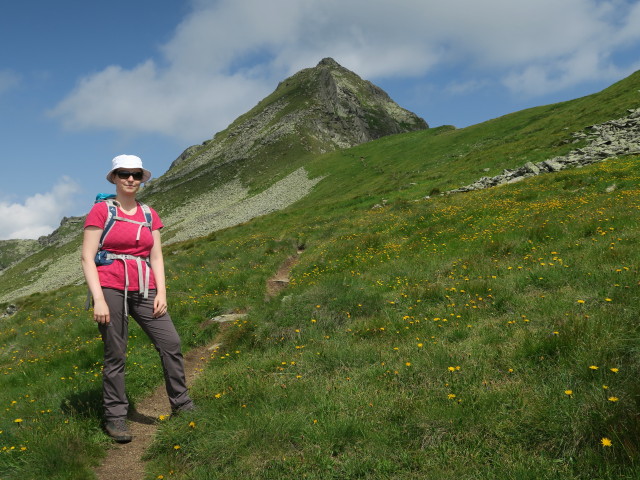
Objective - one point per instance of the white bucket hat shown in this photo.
(128, 161)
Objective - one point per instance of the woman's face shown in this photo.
(128, 180)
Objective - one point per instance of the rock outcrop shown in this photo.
(9, 311)
(68, 229)
(614, 138)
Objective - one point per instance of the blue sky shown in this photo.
(84, 81)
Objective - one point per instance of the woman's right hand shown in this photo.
(101, 311)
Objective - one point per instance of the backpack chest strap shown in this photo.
(143, 281)
(140, 224)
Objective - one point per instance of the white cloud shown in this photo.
(38, 215)
(465, 87)
(176, 103)
(228, 54)
(8, 80)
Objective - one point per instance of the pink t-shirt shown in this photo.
(122, 240)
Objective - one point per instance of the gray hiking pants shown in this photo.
(115, 334)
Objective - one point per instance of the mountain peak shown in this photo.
(316, 110)
(329, 62)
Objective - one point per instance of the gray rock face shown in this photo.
(321, 108)
(614, 138)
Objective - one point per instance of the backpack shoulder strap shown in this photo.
(112, 213)
(147, 215)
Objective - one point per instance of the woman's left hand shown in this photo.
(159, 306)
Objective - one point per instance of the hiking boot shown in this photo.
(118, 430)
(187, 407)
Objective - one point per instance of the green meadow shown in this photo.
(491, 334)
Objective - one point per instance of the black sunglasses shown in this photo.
(123, 174)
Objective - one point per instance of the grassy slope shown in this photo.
(427, 338)
(14, 250)
(38, 260)
(436, 337)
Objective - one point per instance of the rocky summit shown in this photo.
(316, 110)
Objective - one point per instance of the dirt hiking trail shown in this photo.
(124, 461)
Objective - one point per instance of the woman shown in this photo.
(129, 279)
